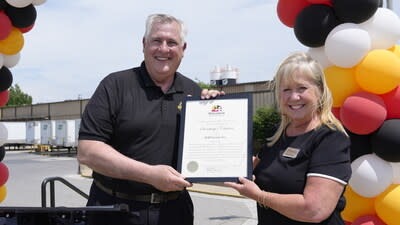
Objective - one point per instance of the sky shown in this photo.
(76, 43)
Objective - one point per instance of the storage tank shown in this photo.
(47, 132)
(215, 76)
(230, 75)
(32, 132)
(16, 132)
(65, 133)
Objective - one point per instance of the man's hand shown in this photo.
(166, 178)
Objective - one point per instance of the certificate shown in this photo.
(215, 142)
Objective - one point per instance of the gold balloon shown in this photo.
(357, 205)
(387, 205)
(342, 83)
(13, 43)
(378, 72)
(3, 192)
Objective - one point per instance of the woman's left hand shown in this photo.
(246, 188)
(207, 94)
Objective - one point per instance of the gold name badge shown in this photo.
(291, 152)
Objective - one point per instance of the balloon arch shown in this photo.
(355, 42)
(16, 18)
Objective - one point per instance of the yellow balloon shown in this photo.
(395, 49)
(13, 43)
(378, 72)
(342, 83)
(357, 205)
(387, 205)
(3, 192)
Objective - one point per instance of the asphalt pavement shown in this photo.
(214, 204)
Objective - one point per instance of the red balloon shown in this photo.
(289, 9)
(3, 174)
(392, 102)
(347, 223)
(368, 220)
(5, 25)
(336, 112)
(363, 113)
(26, 29)
(4, 96)
(326, 2)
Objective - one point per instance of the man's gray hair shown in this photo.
(164, 18)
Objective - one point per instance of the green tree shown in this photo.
(265, 122)
(18, 97)
(204, 85)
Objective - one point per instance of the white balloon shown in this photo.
(347, 44)
(1, 60)
(396, 173)
(371, 175)
(11, 60)
(38, 2)
(19, 3)
(3, 134)
(319, 55)
(383, 28)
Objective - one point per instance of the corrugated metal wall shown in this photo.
(73, 109)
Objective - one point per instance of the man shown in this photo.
(129, 133)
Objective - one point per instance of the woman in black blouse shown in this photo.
(301, 173)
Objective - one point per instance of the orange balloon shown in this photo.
(3, 192)
(13, 43)
(378, 72)
(387, 205)
(342, 83)
(357, 205)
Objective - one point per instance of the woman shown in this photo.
(301, 173)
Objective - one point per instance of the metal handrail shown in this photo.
(52, 193)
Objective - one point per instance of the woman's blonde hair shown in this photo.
(287, 70)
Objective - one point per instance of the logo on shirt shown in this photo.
(291, 152)
(179, 106)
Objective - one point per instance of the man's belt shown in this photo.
(153, 198)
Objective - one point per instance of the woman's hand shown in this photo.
(246, 188)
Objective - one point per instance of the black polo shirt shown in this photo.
(133, 115)
(284, 168)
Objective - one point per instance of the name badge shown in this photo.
(291, 152)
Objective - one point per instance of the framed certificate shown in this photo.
(215, 141)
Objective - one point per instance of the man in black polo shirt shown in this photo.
(129, 133)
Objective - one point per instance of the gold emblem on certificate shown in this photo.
(192, 166)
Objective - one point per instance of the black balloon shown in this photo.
(2, 153)
(3, 4)
(360, 145)
(313, 25)
(22, 17)
(385, 142)
(6, 78)
(355, 11)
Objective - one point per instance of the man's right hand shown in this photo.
(166, 178)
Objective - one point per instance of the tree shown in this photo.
(265, 122)
(18, 97)
(204, 85)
